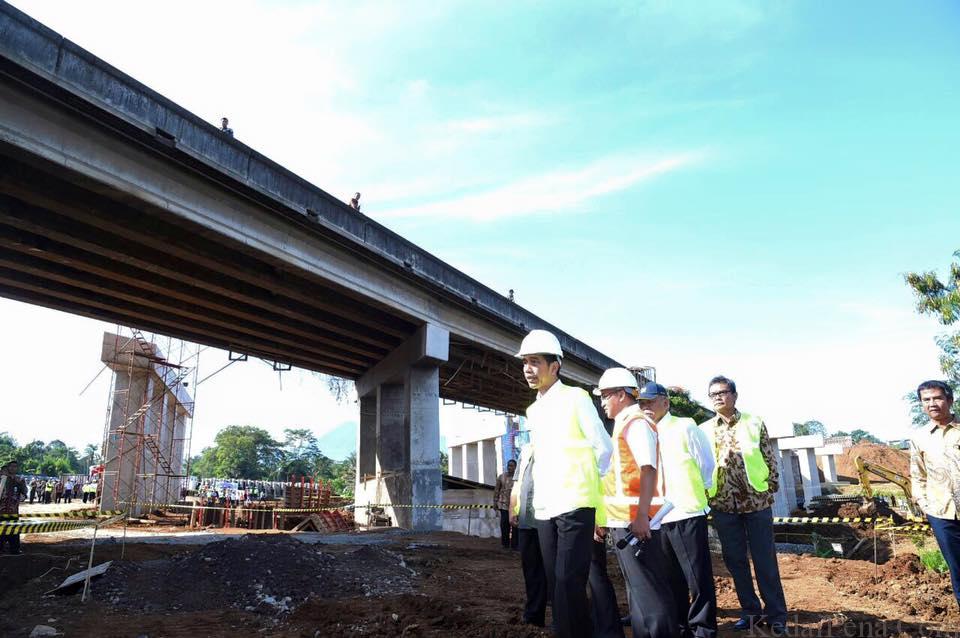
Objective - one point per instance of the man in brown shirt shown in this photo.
(12, 489)
(740, 499)
(501, 500)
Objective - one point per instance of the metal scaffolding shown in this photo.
(149, 421)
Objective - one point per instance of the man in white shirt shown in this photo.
(572, 451)
(631, 499)
(686, 473)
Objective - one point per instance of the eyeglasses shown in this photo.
(719, 393)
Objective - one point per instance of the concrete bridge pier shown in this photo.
(398, 440)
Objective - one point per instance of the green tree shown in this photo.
(681, 404)
(809, 427)
(30, 457)
(940, 299)
(444, 462)
(8, 446)
(862, 436)
(344, 475)
(240, 451)
(91, 455)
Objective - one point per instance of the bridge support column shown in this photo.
(400, 421)
(829, 463)
(808, 471)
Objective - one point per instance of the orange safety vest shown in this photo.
(621, 486)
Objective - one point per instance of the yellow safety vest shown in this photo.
(565, 474)
(681, 478)
(747, 432)
(621, 485)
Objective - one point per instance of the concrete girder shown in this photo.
(137, 174)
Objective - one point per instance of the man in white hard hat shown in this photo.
(686, 473)
(630, 499)
(572, 451)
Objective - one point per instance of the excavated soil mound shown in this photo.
(888, 457)
(904, 581)
(268, 574)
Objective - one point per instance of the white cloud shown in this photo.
(499, 123)
(560, 190)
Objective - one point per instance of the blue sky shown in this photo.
(705, 187)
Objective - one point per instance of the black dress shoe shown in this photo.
(625, 621)
(778, 629)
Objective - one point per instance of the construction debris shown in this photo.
(262, 573)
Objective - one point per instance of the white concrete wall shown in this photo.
(482, 522)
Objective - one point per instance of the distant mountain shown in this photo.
(339, 442)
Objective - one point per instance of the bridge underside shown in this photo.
(72, 245)
(119, 205)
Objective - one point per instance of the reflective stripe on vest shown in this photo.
(621, 486)
(565, 473)
(747, 433)
(682, 480)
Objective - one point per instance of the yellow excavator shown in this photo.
(865, 468)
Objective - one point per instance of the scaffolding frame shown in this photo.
(147, 426)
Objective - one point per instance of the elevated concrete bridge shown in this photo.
(117, 204)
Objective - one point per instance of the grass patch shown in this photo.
(933, 561)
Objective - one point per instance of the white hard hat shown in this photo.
(540, 342)
(615, 378)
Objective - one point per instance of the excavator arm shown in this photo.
(865, 468)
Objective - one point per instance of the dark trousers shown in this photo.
(68, 496)
(85, 494)
(687, 554)
(753, 531)
(12, 539)
(508, 533)
(603, 598)
(534, 576)
(652, 611)
(947, 533)
(566, 542)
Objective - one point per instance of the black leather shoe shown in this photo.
(625, 621)
(778, 629)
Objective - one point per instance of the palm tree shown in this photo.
(91, 455)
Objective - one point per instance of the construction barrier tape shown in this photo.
(68, 514)
(824, 519)
(7, 529)
(28, 527)
(903, 528)
(446, 507)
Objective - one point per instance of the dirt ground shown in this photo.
(400, 584)
(888, 457)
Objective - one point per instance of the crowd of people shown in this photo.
(48, 490)
(649, 486)
(15, 489)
